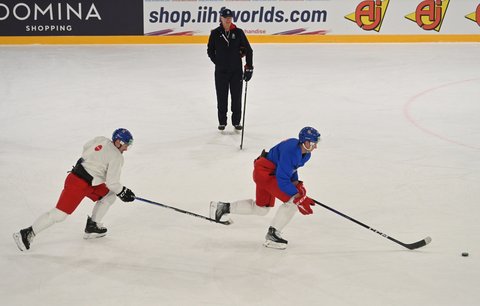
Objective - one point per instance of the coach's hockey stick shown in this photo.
(244, 109)
(410, 246)
(183, 211)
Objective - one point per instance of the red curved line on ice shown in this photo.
(406, 112)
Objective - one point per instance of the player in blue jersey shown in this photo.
(276, 177)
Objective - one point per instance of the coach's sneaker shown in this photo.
(94, 229)
(24, 238)
(218, 210)
(274, 240)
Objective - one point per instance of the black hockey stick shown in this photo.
(228, 222)
(410, 246)
(244, 108)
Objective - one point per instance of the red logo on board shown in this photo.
(475, 16)
(429, 14)
(369, 14)
(98, 148)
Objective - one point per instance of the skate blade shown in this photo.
(93, 235)
(18, 240)
(274, 245)
(228, 222)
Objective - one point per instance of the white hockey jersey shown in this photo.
(104, 162)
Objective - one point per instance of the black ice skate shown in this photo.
(218, 210)
(274, 240)
(24, 238)
(94, 229)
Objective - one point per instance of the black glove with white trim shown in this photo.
(247, 73)
(126, 195)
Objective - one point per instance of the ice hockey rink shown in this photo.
(400, 152)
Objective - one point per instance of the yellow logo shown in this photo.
(429, 14)
(369, 14)
(475, 16)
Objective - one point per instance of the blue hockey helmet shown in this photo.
(123, 135)
(308, 134)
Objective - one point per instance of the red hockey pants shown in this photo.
(267, 186)
(75, 190)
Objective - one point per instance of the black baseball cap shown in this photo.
(226, 13)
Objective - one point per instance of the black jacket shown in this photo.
(225, 50)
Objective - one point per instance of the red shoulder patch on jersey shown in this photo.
(98, 148)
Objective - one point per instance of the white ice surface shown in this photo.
(400, 152)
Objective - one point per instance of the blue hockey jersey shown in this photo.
(287, 157)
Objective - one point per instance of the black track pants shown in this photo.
(225, 80)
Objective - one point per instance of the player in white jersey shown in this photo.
(96, 176)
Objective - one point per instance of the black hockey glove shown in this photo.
(126, 195)
(247, 73)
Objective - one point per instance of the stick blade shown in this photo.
(419, 244)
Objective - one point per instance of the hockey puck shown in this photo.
(465, 254)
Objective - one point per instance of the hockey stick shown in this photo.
(244, 108)
(410, 246)
(184, 211)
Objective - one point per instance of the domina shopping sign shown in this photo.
(71, 17)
